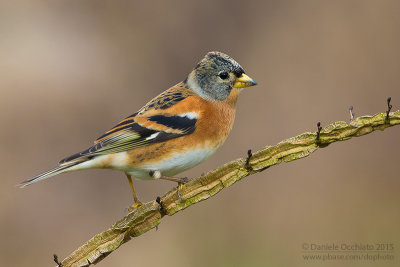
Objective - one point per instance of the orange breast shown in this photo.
(212, 128)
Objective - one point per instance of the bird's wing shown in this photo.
(152, 124)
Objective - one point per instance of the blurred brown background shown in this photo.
(72, 69)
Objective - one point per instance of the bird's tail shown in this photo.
(57, 170)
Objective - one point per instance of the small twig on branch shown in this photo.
(249, 155)
(389, 109)
(352, 114)
(319, 128)
(149, 215)
(158, 200)
(55, 258)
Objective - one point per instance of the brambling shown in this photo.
(172, 133)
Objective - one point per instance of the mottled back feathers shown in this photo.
(168, 98)
(140, 129)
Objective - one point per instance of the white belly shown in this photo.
(178, 163)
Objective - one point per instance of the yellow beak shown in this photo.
(244, 81)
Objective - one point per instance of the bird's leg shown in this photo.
(135, 198)
(180, 181)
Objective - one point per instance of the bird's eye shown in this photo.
(223, 75)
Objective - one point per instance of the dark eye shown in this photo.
(223, 75)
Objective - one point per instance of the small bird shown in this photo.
(172, 133)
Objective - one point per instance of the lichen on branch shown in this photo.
(149, 215)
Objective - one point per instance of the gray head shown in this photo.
(215, 75)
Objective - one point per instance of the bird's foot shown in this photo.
(180, 187)
(181, 182)
(134, 206)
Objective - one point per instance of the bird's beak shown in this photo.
(244, 81)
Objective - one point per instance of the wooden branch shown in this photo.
(149, 215)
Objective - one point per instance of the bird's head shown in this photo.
(216, 75)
